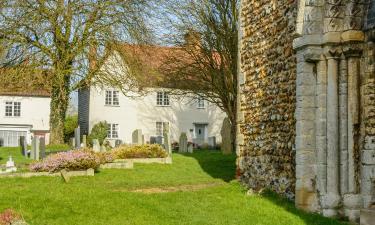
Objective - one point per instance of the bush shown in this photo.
(105, 157)
(9, 217)
(71, 160)
(71, 122)
(99, 131)
(139, 151)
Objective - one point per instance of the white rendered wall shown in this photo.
(35, 113)
(143, 113)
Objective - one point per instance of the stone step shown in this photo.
(367, 217)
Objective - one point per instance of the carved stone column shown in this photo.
(353, 52)
(343, 116)
(332, 198)
(321, 125)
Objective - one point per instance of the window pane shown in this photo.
(159, 128)
(109, 131)
(200, 103)
(108, 97)
(17, 109)
(8, 108)
(159, 98)
(115, 98)
(114, 130)
(166, 98)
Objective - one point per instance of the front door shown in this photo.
(200, 133)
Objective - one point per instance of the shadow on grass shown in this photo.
(215, 164)
(308, 218)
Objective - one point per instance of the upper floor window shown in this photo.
(162, 98)
(112, 131)
(112, 98)
(201, 103)
(13, 109)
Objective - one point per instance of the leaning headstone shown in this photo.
(10, 166)
(137, 137)
(212, 142)
(226, 137)
(35, 148)
(190, 148)
(42, 146)
(65, 176)
(96, 145)
(84, 141)
(77, 136)
(183, 143)
(23, 145)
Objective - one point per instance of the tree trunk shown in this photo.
(59, 105)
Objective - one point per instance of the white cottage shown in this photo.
(152, 112)
(24, 110)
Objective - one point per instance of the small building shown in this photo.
(152, 112)
(24, 108)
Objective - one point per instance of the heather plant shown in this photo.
(71, 160)
(9, 217)
(105, 157)
(139, 151)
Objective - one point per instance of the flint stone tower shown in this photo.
(307, 117)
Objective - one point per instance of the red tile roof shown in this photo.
(24, 81)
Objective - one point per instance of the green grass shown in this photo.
(107, 198)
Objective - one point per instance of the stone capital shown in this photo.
(332, 52)
(312, 54)
(352, 50)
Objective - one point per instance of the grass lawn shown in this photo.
(196, 189)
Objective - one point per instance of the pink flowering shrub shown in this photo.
(71, 160)
(8, 217)
(105, 157)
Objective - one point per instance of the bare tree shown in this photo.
(65, 37)
(207, 33)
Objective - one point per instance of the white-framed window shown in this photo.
(201, 103)
(112, 98)
(12, 109)
(113, 130)
(160, 127)
(162, 98)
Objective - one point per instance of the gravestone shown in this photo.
(10, 166)
(72, 142)
(152, 140)
(159, 140)
(96, 145)
(212, 142)
(23, 145)
(190, 148)
(183, 144)
(84, 141)
(226, 137)
(42, 147)
(167, 142)
(137, 137)
(77, 137)
(35, 148)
